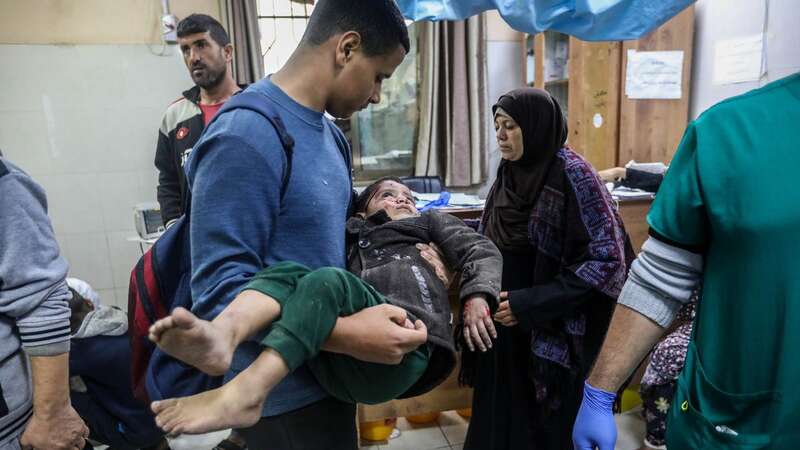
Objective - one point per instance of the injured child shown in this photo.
(298, 308)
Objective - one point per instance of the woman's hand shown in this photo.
(431, 253)
(478, 326)
(504, 315)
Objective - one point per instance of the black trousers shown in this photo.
(328, 424)
(105, 428)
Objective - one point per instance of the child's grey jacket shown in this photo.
(382, 252)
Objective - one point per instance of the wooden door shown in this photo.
(589, 93)
(650, 130)
(594, 94)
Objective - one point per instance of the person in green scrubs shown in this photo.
(727, 216)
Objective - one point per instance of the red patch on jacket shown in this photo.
(182, 133)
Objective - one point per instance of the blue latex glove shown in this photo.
(442, 201)
(595, 426)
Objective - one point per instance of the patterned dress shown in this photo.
(658, 382)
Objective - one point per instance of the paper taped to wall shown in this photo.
(654, 74)
(739, 60)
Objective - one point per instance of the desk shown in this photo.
(144, 244)
(634, 216)
(464, 213)
(632, 211)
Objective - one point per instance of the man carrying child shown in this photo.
(301, 307)
(241, 223)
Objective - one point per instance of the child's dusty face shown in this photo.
(395, 199)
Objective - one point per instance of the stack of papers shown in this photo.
(457, 200)
(623, 193)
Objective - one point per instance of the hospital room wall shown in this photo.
(83, 88)
(714, 20)
(727, 19)
(504, 73)
(84, 85)
(83, 93)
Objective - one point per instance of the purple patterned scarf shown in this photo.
(604, 266)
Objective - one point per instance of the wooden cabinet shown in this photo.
(650, 130)
(588, 80)
(595, 85)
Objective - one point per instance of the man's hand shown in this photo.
(504, 315)
(380, 334)
(478, 326)
(435, 258)
(61, 429)
(54, 424)
(595, 426)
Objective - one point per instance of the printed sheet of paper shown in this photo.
(738, 60)
(654, 74)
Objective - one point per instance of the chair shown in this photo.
(424, 184)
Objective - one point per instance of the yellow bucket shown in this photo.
(630, 398)
(377, 430)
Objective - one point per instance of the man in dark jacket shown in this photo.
(208, 54)
(301, 307)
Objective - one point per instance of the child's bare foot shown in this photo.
(234, 405)
(231, 406)
(194, 341)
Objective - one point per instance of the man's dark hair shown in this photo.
(78, 310)
(362, 201)
(76, 302)
(379, 22)
(200, 23)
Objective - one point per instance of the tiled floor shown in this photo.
(630, 430)
(446, 433)
(449, 430)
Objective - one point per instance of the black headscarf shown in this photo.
(518, 183)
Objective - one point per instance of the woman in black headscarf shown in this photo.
(565, 258)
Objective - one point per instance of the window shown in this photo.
(386, 133)
(282, 24)
(383, 136)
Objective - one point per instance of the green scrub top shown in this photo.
(733, 193)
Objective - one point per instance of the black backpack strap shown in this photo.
(344, 149)
(258, 103)
(3, 169)
(288, 148)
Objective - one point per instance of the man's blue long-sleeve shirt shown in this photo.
(240, 225)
